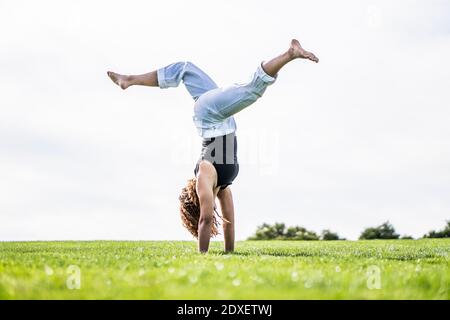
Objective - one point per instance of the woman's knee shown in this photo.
(189, 63)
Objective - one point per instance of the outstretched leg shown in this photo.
(232, 99)
(196, 80)
(124, 81)
(295, 51)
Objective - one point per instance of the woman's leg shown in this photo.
(295, 51)
(124, 81)
(232, 99)
(196, 80)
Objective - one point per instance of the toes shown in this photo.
(312, 57)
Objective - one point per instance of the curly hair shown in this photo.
(190, 210)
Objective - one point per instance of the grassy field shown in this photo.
(397, 269)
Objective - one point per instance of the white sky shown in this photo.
(360, 138)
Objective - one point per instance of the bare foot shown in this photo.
(121, 80)
(296, 51)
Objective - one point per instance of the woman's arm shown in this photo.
(227, 208)
(205, 184)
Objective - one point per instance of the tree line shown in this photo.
(386, 230)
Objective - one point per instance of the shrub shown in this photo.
(383, 231)
(268, 232)
(444, 233)
(278, 231)
(300, 233)
(328, 235)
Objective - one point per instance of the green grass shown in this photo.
(409, 269)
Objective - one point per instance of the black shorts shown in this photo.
(221, 151)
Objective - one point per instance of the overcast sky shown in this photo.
(358, 139)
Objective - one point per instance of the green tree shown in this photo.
(300, 233)
(278, 231)
(383, 231)
(268, 232)
(444, 233)
(328, 235)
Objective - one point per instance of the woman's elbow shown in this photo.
(206, 219)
